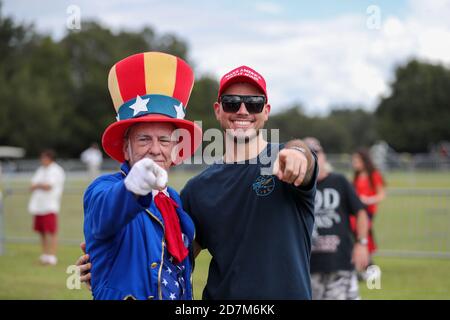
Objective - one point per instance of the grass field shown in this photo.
(405, 223)
(21, 276)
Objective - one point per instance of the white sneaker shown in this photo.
(48, 259)
(43, 258)
(52, 260)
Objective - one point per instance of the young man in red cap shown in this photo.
(138, 236)
(255, 219)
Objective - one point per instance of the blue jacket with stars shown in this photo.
(125, 240)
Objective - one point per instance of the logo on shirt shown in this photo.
(326, 207)
(264, 185)
(326, 215)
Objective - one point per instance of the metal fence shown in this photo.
(17, 222)
(409, 222)
(340, 161)
(414, 222)
(401, 162)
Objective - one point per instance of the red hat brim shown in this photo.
(113, 137)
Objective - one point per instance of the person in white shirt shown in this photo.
(47, 187)
(93, 159)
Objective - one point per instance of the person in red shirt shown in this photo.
(370, 187)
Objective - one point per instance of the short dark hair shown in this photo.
(49, 153)
(369, 166)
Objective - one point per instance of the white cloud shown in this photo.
(305, 62)
(269, 7)
(336, 61)
(321, 62)
(434, 44)
(430, 13)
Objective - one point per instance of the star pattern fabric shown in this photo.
(180, 111)
(139, 105)
(173, 284)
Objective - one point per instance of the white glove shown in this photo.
(145, 176)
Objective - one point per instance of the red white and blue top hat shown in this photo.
(150, 87)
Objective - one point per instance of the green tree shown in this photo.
(203, 96)
(91, 53)
(293, 123)
(32, 94)
(358, 123)
(417, 111)
(54, 93)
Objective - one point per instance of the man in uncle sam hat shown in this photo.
(138, 237)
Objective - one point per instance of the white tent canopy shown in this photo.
(11, 152)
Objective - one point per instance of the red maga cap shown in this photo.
(243, 74)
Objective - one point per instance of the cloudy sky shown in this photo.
(319, 53)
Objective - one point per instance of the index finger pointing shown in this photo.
(276, 167)
(161, 176)
(83, 246)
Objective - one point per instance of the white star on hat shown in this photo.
(139, 105)
(179, 110)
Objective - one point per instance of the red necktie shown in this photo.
(174, 241)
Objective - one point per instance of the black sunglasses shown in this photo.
(232, 103)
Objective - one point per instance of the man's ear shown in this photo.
(217, 110)
(125, 150)
(267, 111)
